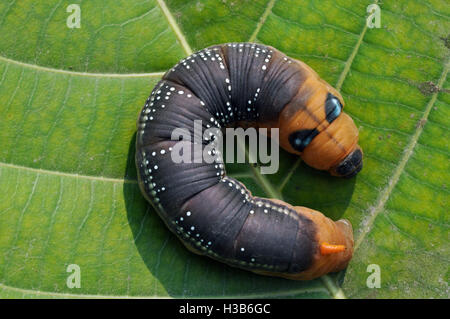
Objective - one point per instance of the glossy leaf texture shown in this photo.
(69, 99)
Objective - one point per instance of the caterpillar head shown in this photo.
(325, 137)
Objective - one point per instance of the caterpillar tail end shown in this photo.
(334, 248)
(334, 245)
(338, 249)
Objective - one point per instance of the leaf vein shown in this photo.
(385, 194)
(175, 27)
(88, 74)
(262, 20)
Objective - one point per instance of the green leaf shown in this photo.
(69, 100)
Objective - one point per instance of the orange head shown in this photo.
(314, 126)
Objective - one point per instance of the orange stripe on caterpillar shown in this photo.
(326, 248)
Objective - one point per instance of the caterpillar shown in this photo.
(216, 215)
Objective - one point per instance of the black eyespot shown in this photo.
(300, 139)
(333, 107)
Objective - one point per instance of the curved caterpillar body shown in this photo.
(216, 215)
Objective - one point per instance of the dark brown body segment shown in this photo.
(214, 214)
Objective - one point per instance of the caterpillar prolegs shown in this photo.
(215, 215)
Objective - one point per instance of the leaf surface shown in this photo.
(69, 100)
